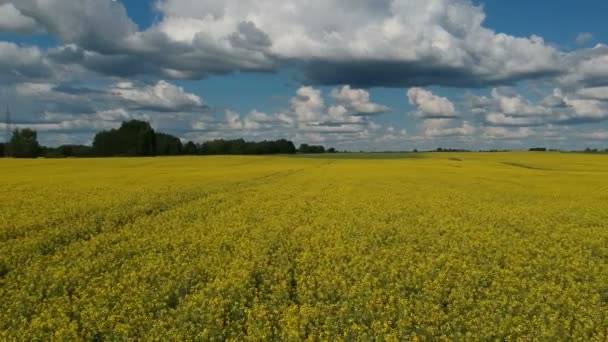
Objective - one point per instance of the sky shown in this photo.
(370, 75)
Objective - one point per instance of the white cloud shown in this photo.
(309, 118)
(358, 101)
(17, 62)
(405, 31)
(351, 106)
(501, 119)
(12, 20)
(308, 105)
(73, 124)
(50, 107)
(161, 95)
(587, 68)
(91, 24)
(507, 108)
(34, 89)
(585, 109)
(597, 135)
(390, 43)
(258, 116)
(584, 38)
(507, 133)
(516, 105)
(437, 128)
(596, 93)
(430, 105)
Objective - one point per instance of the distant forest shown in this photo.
(138, 139)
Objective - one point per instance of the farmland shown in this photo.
(466, 246)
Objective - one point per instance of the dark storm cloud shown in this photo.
(382, 73)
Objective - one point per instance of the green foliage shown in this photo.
(168, 145)
(3, 150)
(68, 151)
(133, 138)
(137, 138)
(190, 149)
(305, 148)
(242, 147)
(24, 144)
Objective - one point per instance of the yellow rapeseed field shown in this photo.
(503, 246)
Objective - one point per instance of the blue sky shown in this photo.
(360, 75)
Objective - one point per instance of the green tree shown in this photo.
(24, 144)
(67, 151)
(286, 146)
(2, 150)
(305, 148)
(190, 149)
(133, 138)
(168, 145)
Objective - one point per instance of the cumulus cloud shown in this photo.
(309, 117)
(348, 112)
(430, 105)
(340, 115)
(594, 93)
(19, 63)
(597, 135)
(75, 109)
(308, 105)
(96, 25)
(438, 128)
(507, 133)
(584, 37)
(372, 43)
(255, 121)
(500, 119)
(357, 100)
(506, 108)
(12, 20)
(410, 44)
(587, 68)
(161, 96)
(516, 105)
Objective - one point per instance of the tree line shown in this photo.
(138, 139)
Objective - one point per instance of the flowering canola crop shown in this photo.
(507, 246)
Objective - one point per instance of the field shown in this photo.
(464, 246)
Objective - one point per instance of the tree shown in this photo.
(68, 151)
(305, 148)
(591, 150)
(240, 146)
(2, 150)
(133, 138)
(190, 149)
(286, 146)
(168, 145)
(24, 144)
